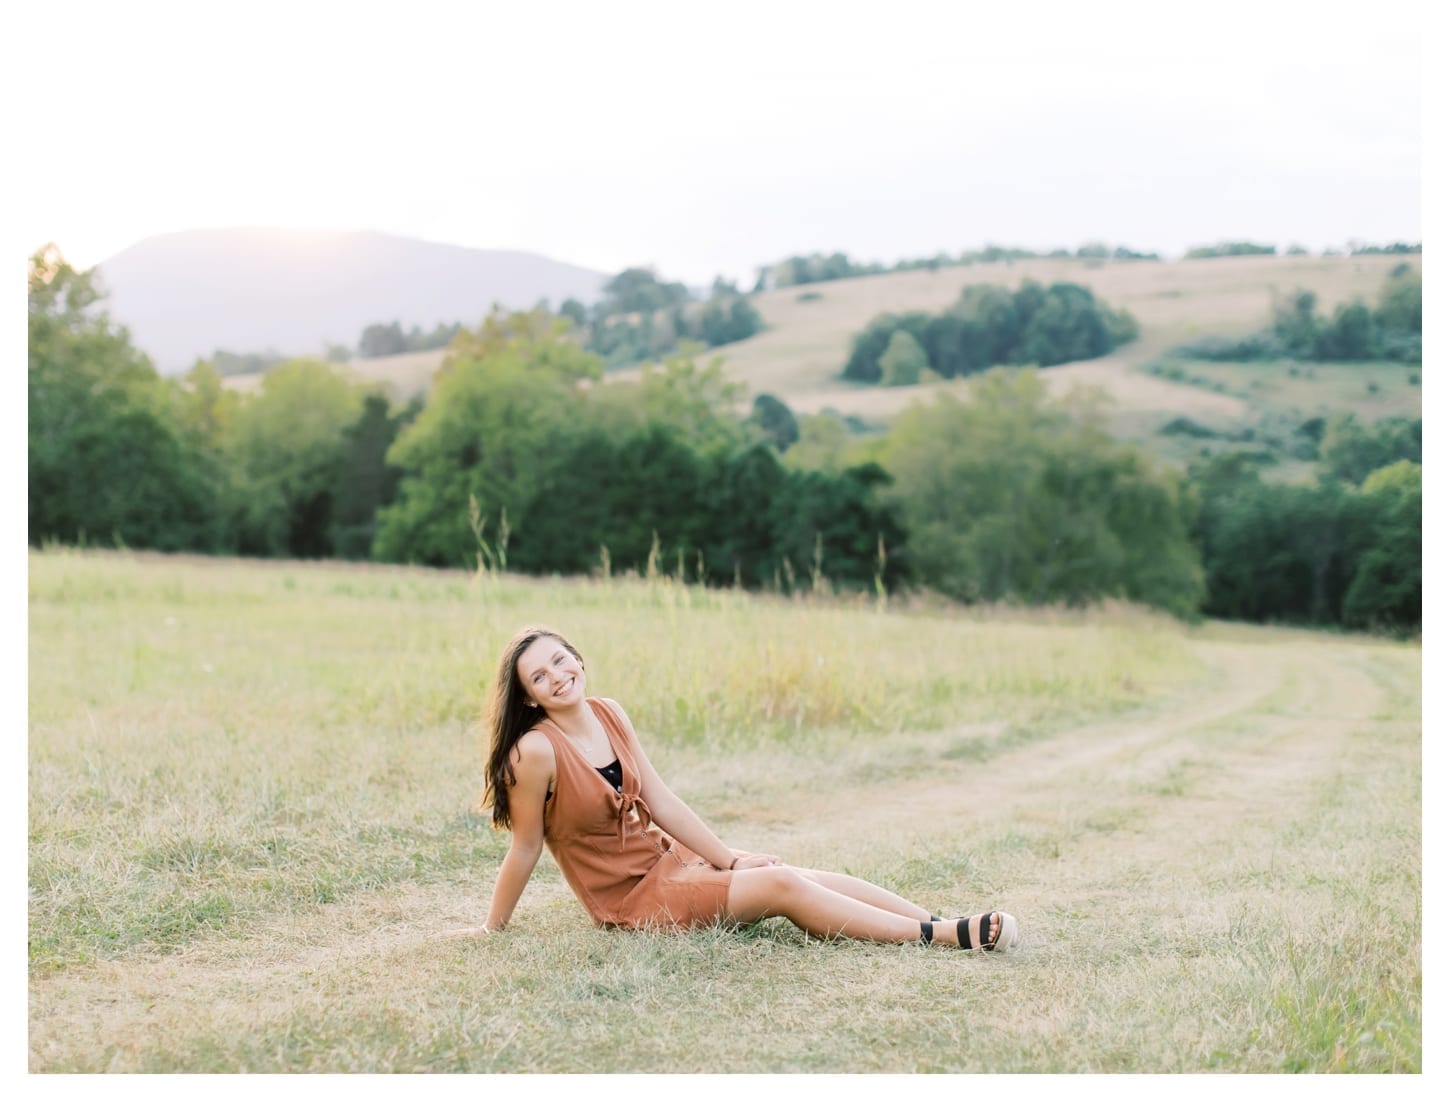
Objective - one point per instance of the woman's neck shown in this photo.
(575, 720)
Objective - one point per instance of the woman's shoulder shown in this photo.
(534, 749)
(615, 707)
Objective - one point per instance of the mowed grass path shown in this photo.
(250, 790)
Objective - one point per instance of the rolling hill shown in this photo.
(185, 295)
(798, 357)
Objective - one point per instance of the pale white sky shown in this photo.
(708, 139)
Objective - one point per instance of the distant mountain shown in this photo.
(184, 295)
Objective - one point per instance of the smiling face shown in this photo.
(551, 674)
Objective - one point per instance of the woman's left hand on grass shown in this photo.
(466, 931)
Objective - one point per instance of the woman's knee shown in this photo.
(780, 879)
(764, 891)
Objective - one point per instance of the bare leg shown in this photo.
(866, 892)
(781, 891)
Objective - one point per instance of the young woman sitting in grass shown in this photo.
(567, 771)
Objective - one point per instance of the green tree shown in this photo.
(1066, 327)
(382, 340)
(746, 488)
(288, 450)
(838, 524)
(1295, 325)
(1250, 570)
(775, 421)
(1401, 301)
(1385, 591)
(1350, 334)
(1350, 451)
(698, 402)
(744, 319)
(623, 491)
(501, 402)
(367, 482)
(1008, 495)
(206, 411)
(640, 290)
(903, 361)
(108, 456)
(993, 319)
(575, 311)
(1326, 552)
(868, 346)
(824, 444)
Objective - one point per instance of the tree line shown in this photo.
(513, 435)
(795, 271)
(806, 268)
(521, 459)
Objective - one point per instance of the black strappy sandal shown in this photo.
(975, 932)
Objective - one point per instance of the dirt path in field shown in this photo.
(1142, 796)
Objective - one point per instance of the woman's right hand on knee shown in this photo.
(755, 861)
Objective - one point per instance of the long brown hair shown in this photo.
(508, 718)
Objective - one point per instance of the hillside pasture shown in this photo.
(251, 791)
(806, 343)
(798, 358)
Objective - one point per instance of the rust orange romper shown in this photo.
(624, 869)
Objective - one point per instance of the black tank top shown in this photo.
(613, 773)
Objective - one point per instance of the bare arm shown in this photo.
(678, 819)
(533, 769)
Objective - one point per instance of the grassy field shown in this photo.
(250, 809)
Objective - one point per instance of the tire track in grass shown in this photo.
(1234, 909)
(972, 796)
